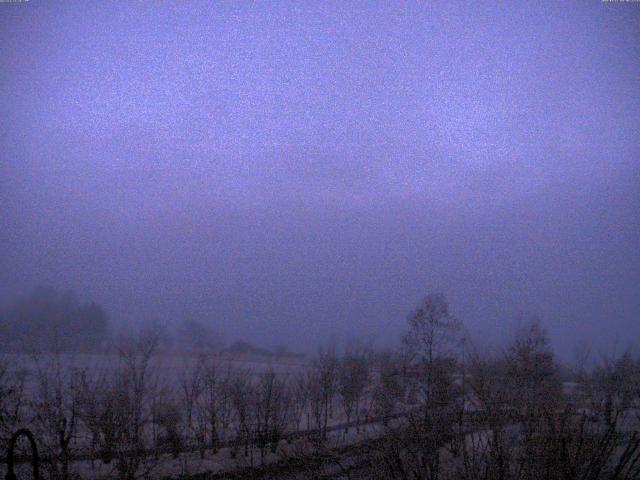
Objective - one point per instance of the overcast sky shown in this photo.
(297, 170)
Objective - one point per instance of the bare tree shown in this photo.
(299, 393)
(389, 389)
(411, 448)
(431, 345)
(241, 392)
(12, 399)
(614, 386)
(533, 375)
(215, 407)
(488, 446)
(270, 411)
(192, 385)
(167, 414)
(56, 407)
(433, 332)
(121, 409)
(353, 378)
(322, 383)
(525, 429)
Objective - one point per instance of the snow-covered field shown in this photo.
(170, 374)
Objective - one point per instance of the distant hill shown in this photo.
(243, 347)
(240, 347)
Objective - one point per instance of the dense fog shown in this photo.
(290, 174)
(319, 239)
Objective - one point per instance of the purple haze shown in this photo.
(290, 171)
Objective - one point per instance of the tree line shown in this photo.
(434, 408)
(49, 319)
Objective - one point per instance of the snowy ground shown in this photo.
(171, 369)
